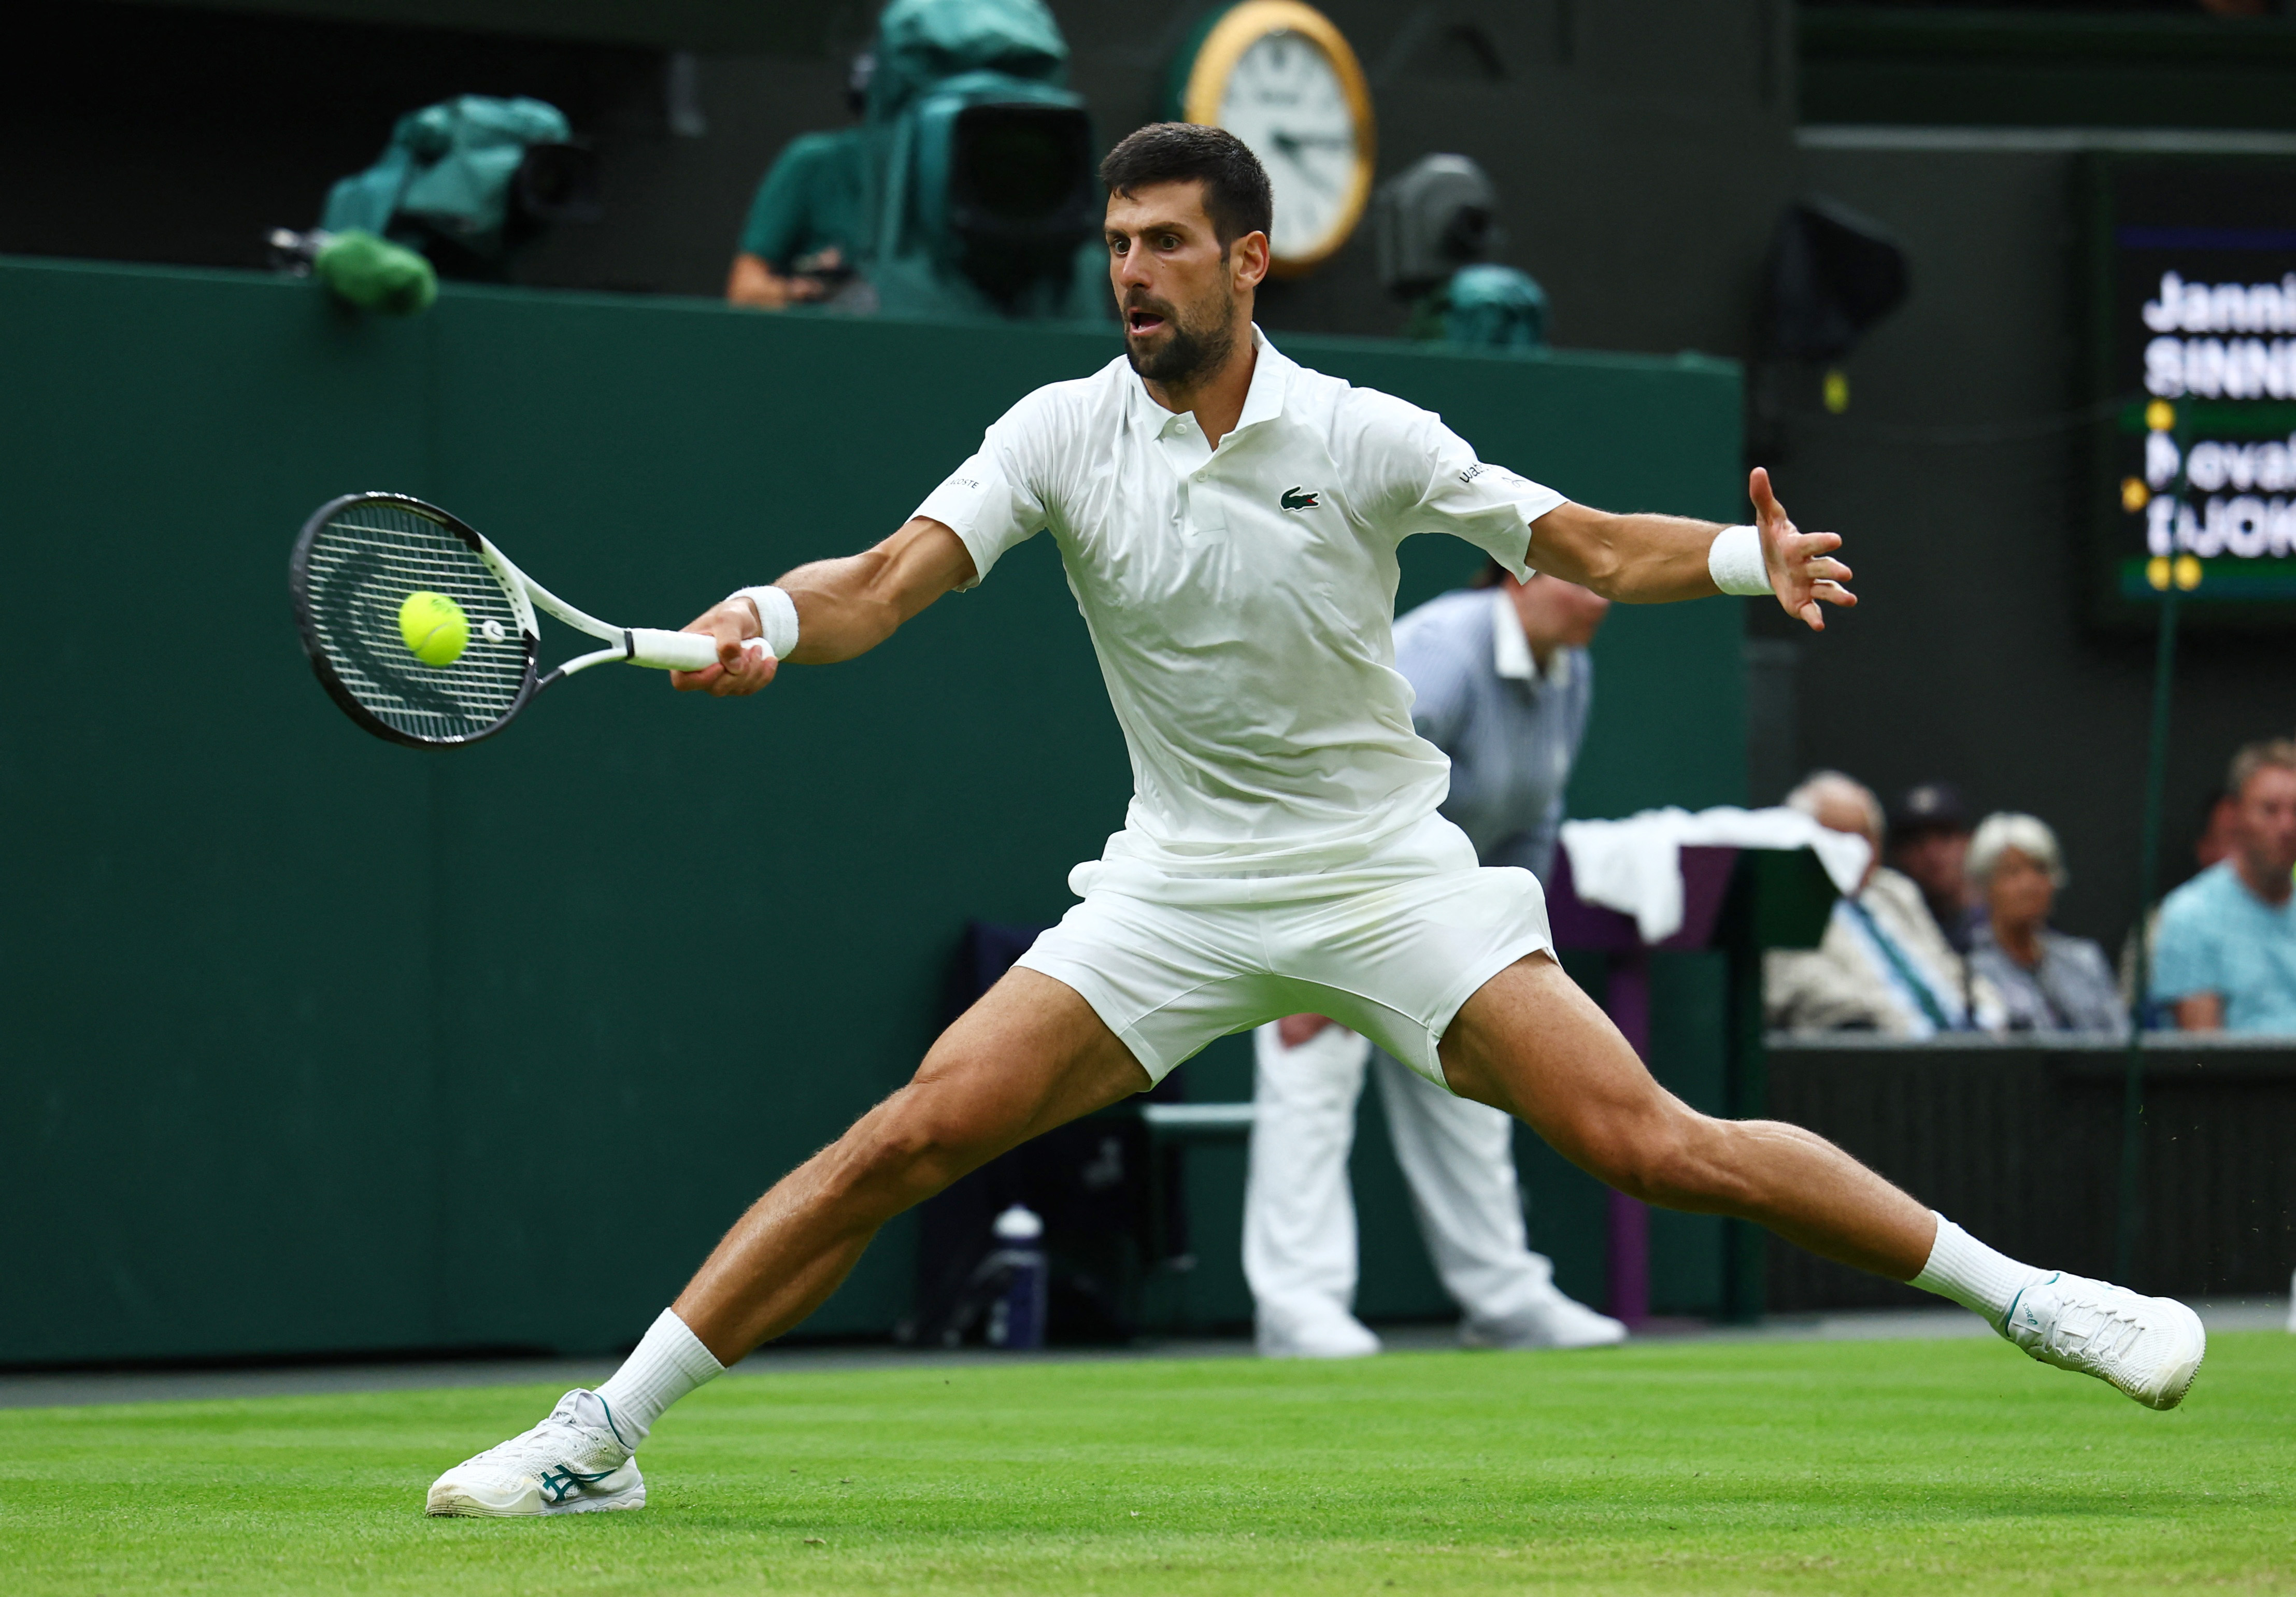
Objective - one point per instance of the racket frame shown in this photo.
(636, 646)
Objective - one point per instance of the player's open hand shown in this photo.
(743, 666)
(1803, 572)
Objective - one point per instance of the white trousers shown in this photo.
(1298, 1215)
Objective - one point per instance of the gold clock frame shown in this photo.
(1239, 29)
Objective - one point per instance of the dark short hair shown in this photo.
(1237, 195)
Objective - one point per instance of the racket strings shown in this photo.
(361, 566)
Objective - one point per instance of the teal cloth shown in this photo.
(815, 197)
(448, 166)
(2217, 937)
(921, 43)
(879, 192)
(1495, 307)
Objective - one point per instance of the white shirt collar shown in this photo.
(1511, 655)
(1509, 650)
(1263, 401)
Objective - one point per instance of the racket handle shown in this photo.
(676, 650)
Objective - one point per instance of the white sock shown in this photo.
(1974, 1275)
(664, 1366)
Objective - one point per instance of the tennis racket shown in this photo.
(357, 560)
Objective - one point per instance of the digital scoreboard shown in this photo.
(2192, 270)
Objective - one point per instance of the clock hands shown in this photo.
(1289, 145)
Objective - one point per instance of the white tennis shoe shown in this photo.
(574, 1462)
(1551, 1321)
(2148, 1347)
(1335, 1334)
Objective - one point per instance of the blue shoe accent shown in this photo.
(558, 1485)
(2006, 1314)
(617, 1429)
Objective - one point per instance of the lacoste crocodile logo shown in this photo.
(1298, 498)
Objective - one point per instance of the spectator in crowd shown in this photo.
(2226, 955)
(2047, 981)
(1883, 965)
(805, 232)
(1505, 684)
(2210, 844)
(1929, 844)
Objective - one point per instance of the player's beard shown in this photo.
(1191, 349)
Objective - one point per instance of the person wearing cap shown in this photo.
(1928, 843)
(2047, 981)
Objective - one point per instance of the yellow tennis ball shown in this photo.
(435, 627)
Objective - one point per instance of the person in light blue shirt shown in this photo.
(2224, 958)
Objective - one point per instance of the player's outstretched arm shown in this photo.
(1657, 559)
(844, 607)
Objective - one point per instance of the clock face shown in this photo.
(1285, 100)
(1280, 77)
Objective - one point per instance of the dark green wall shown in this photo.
(316, 1044)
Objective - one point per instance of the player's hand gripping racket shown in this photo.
(425, 633)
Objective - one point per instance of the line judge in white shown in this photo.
(1503, 685)
(1229, 523)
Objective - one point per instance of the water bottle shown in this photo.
(1016, 1319)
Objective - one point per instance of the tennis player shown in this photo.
(1229, 521)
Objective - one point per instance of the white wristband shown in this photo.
(776, 618)
(1734, 561)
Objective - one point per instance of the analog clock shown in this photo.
(1276, 74)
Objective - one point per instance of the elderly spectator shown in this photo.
(2226, 959)
(1929, 842)
(1882, 965)
(2047, 981)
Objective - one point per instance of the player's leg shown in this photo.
(1029, 1056)
(1530, 1042)
(1457, 1157)
(1299, 1215)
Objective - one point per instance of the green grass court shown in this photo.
(1832, 1466)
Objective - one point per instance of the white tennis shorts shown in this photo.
(1389, 946)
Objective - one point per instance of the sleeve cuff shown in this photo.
(959, 504)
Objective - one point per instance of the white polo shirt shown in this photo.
(1242, 599)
